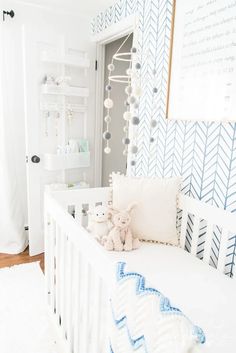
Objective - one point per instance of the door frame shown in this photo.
(110, 34)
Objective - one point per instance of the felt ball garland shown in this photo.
(131, 104)
(131, 79)
(153, 122)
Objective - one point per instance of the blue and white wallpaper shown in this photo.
(203, 153)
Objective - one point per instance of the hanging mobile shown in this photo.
(133, 92)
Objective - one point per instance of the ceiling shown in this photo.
(83, 7)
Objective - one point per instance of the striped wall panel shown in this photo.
(204, 154)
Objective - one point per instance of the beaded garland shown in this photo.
(133, 92)
(153, 122)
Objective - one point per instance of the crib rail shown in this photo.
(213, 218)
(77, 284)
(79, 275)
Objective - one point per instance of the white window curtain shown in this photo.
(13, 239)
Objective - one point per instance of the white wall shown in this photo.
(73, 26)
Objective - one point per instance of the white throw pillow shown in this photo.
(154, 216)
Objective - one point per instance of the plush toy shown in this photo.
(99, 222)
(120, 236)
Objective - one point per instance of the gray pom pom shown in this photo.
(152, 139)
(153, 123)
(132, 100)
(137, 66)
(126, 141)
(154, 72)
(155, 90)
(136, 105)
(106, 135)
(133, 50)
(128, 89)
(108, 87)
(135, 120)
(134, 149)
(133, 163)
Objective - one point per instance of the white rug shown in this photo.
(24, 323)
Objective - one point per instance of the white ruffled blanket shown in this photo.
(144, 320)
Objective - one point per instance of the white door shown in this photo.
(48, 122)
(13, 207)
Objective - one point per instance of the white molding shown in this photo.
(58, 9)
(115, 31)
(99, 116)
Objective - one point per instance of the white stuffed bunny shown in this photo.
(99, 223)
(120, 236)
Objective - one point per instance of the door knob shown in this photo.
(35, 159)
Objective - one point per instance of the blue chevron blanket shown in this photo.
(143, 319)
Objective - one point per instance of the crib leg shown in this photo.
(58, 274)
(52, 265)
(47, 221)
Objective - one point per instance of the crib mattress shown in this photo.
(203, 294)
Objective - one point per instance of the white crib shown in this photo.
(80, 273)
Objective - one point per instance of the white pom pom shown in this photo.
(107, 150)
(134, 76)
(127, 116)
(111, 67)
(107, 119)
(137, 91)
(129, 72)
(128, 90)
(108, 103)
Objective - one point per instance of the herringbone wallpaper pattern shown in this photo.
(203, 153)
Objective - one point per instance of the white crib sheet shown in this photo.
(205, 296)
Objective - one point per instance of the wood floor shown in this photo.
(10, 260)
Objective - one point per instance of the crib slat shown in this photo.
(77, 279)
(195, 235)
(208, 242)
(62, 280)
(223, 248)
(58, 258)
(84, 335)
(105, 304)
(47, 222)
(66, 303)
(78, 213)
(183, 228)
(96, 313)
(69, 276)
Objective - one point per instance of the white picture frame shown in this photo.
(202, 68)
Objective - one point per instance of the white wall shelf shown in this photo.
(57, 107)
(67, 59)
(65, 90)
(54, 161)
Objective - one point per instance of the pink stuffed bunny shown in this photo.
(120, 236)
